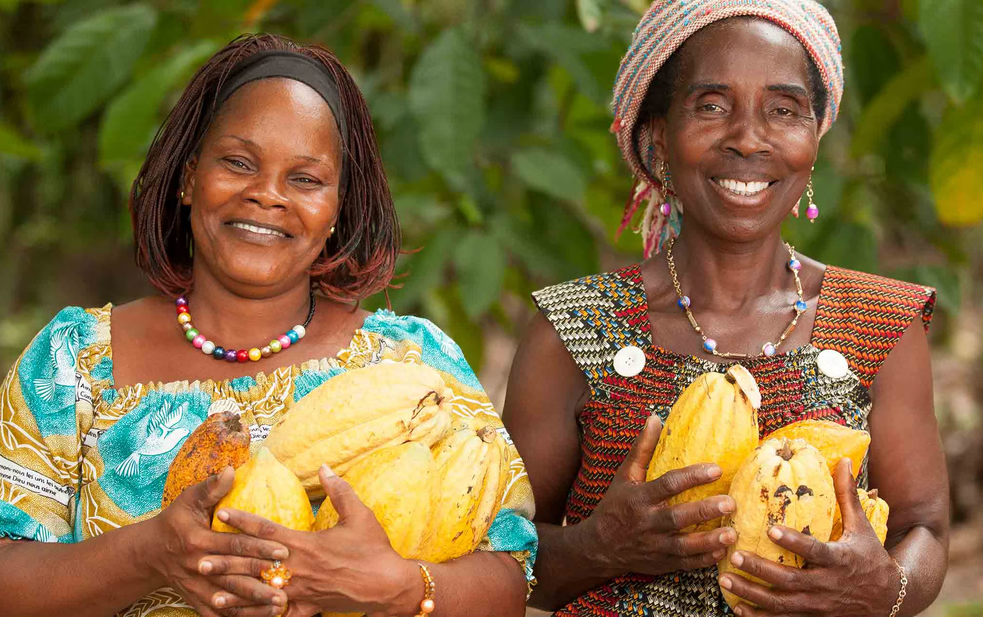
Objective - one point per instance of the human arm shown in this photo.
(631, 530)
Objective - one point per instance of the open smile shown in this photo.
(743, 188)
(258, 229)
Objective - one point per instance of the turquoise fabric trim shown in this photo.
(512, 533)
(437, 349)
(17, 525)
(309, 380)
(243, 384)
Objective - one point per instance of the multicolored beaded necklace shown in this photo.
(255, 354)
(769, 349)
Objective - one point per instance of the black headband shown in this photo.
(294, 66)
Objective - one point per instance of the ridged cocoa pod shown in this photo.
(714, 420)
(782, 483)
(266, 488)
(875, 509)
(833, 440)
(218, 442)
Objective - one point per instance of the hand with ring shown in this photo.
(350, 568)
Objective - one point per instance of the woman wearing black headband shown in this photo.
(263, 210)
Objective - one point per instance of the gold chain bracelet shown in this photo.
(429, 592)
(903, 592)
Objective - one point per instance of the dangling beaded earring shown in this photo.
(666, 207)
(812, 212)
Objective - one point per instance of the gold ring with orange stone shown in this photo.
(277, 576)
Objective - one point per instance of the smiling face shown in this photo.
(740, 135)
(263, 189)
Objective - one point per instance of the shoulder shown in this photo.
(876, 298)
(424, 337)
(72, 329)
(602, 288)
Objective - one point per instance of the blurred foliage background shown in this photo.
(493, 119)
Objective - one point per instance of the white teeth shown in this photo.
(259, 230)
(742, 188)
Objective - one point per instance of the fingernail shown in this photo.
(205, 567)
(714, 472)
(219, 601)
(775, 533)
(726, 506)
(725, 582)
(281, 554)
(728, 537)
(849, 465)
(739, 610)
(223, 516)
(737, 559)
(327, 471)
(718, 555)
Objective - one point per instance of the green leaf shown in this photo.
(887, 107)
(953, 31)
(589, 12)
(13, 145)
(446, 95)
(570, 48)
(551, 172)
(84, 66)
(132, 119)
(954, 169)
(425, 269)
(480, 263)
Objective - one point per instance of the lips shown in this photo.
(260, 229)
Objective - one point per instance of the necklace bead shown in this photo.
(710, 345)
(255, 354)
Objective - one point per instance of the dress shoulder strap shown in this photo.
(863, 316)
(596, 317)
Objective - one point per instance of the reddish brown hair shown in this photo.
(359, 258)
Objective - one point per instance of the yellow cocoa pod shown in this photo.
(782, 483)
(714, 420)
(355, 413)
(835, 441)
(220, 441)
(266, 488)
(875, 509)
(397, 483)
(472, 474)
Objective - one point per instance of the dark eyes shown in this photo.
(710, 107)
(241, 165)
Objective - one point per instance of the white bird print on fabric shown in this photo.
(64, 350)
(162, 437)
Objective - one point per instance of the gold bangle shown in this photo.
(903, 592)
(429, 592)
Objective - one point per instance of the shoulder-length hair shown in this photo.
(359, 258)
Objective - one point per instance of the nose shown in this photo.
(747, 135)
(266, 190)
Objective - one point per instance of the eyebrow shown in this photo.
(705, 87)
(789, 89)
(249, 142)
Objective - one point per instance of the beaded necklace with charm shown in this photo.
(207, 347)
(769, 349)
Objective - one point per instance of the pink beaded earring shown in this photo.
(812, 212)
(666, 207)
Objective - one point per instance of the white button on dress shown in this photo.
(629, 361)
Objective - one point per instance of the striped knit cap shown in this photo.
(663, 29)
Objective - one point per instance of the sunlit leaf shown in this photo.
(551, 172)
(569, 47)
(953, 31)
(956, 179)
(12, 144)
(83, 67)
(132, 118)
(887, 107)
(447, 98)
(589, 12)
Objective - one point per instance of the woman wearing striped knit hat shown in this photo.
(719, 109)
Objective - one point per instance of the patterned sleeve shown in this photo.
(41, 427)
(512, 531)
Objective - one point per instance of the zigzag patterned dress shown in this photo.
(861, 316)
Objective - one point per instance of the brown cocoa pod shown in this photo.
(218, 442)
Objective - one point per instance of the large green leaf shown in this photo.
(589, 12)
(953, 31)
(480, 263)
(956, 164)
(551, 172)
(570, 48)
(447, 90)
(132, 118)
(424, 268)
(12, 144)
(83, 67)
